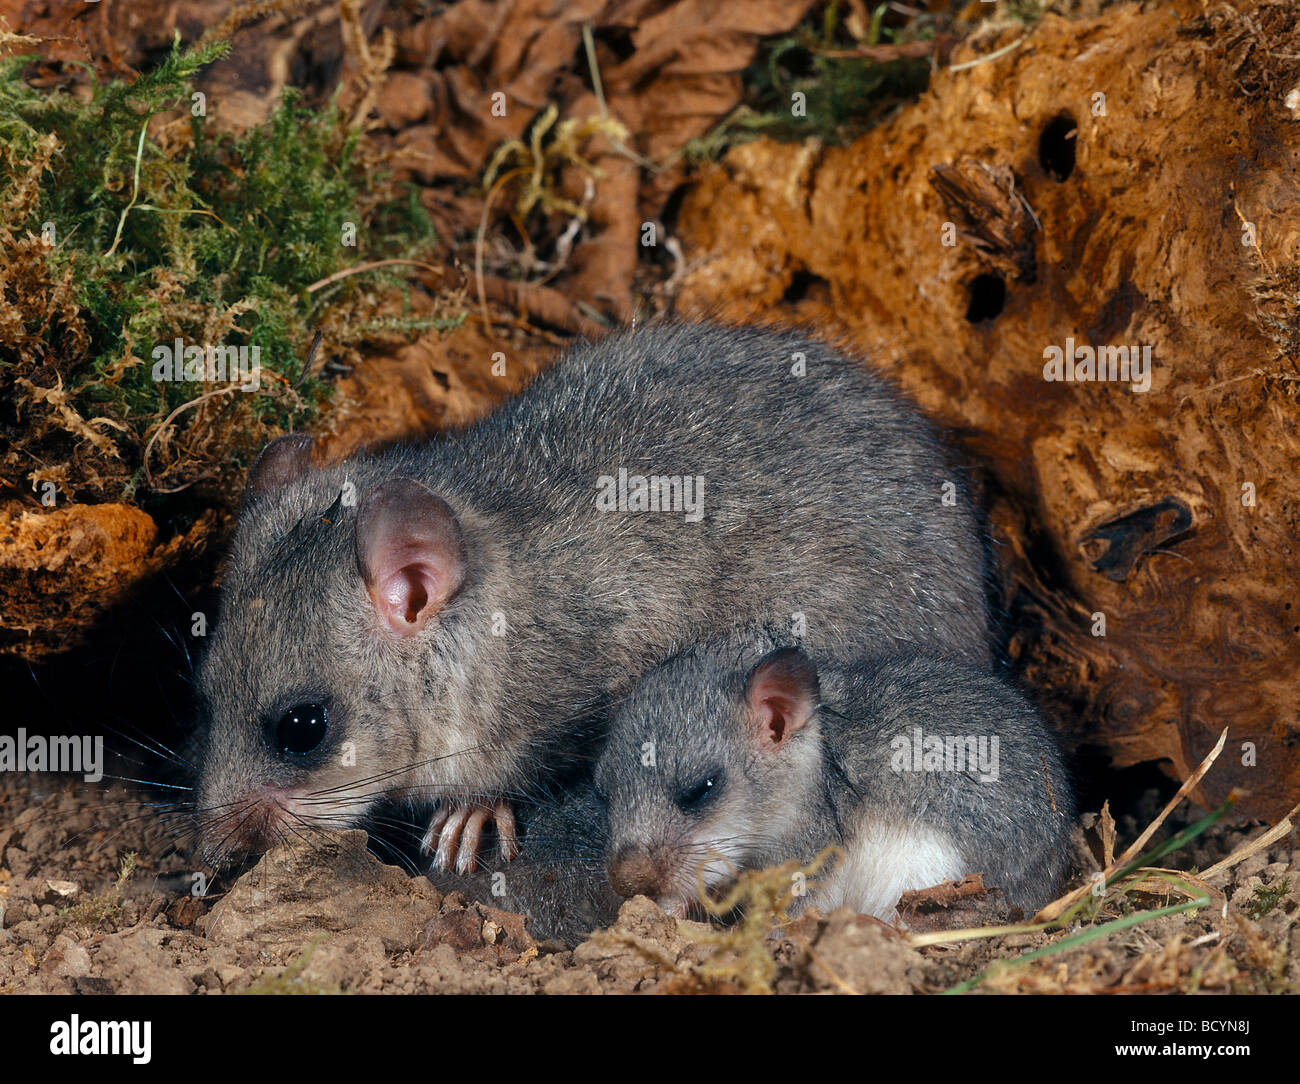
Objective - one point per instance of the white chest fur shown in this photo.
(882, 861)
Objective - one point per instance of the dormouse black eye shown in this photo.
(302, 728)
(698, 795)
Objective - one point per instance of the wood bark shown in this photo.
(1124, 181)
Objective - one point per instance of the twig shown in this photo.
(322, 283)
(311, 357)
(135, 191)
(168, 420)
(598, 88)
(996, 54)
(943, 937)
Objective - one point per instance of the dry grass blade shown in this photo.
(1157, 879)
(1057, 907)
(1253, 846)
(1189, 784)
(1051, 916)
(1135, 876)
(338, 276)
(1106, 829)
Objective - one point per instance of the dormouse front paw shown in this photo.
(456, 829)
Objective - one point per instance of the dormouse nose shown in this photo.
(250, 825)
(634, 872)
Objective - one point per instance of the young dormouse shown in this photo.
(921, 769)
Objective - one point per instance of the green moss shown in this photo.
(290, 980)
(1266, 898)
(107, 906)
(843, 95)
(165, 229)
(1028, 12)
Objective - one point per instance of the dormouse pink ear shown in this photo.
(410, 552)
(284, 460)
(781, 695)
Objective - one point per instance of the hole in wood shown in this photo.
(988, 296)
(804, 286)
(1056, 147)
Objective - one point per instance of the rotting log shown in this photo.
(1123, 181)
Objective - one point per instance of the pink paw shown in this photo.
(457, 827)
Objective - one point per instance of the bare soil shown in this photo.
(327, 916)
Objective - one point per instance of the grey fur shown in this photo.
(823, 496)
(835, 772)
(559, 881)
